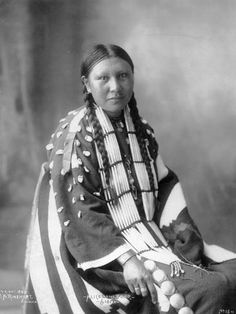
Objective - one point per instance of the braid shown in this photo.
(141, 136)
(98, 134)
(86, 94)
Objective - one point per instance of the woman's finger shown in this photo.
(142, 285)
(152, 291)
(137, 290)
(143, 290)
(131, 287)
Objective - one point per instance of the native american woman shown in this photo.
(110, 231)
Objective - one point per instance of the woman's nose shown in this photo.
(114, 85)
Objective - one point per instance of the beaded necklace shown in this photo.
(119, 196)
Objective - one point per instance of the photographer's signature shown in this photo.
(16, 295)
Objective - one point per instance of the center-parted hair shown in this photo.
(98, 53)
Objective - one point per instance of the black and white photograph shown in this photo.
(117, 157)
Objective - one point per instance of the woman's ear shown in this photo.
(86, 83)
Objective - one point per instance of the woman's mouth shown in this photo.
(116, 98)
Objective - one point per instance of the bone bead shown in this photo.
(167, 287)
(159, 276)
(185, 310)
(150, 265)
(177, 301)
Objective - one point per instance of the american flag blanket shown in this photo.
(73, 243)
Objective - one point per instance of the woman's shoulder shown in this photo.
(150, 138)
(76, 116)
(148, 128)
(71, 122)
(73, 127)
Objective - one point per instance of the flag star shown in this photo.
(66, 223)
(80, 179)
(86, 169)
(60, 209)
(49, 146)
(82, 198)
(86, 153)
(88, 138)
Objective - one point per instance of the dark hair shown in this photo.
(95, 55)
(99, 52)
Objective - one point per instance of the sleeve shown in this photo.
(87, 228)
(174, 219)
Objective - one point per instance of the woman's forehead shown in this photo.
(112, 64)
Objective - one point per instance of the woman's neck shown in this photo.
(114, 115)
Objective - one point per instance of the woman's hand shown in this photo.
(138, 279)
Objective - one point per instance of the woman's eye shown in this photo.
(123, 75)
(103, 78)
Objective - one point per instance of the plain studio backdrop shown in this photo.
(184, 54)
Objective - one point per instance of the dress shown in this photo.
(73, 241)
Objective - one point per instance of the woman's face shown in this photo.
(111, 83)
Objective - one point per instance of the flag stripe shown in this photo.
(39, 275)
(54, 232)
(78, 284)
(56, 284)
